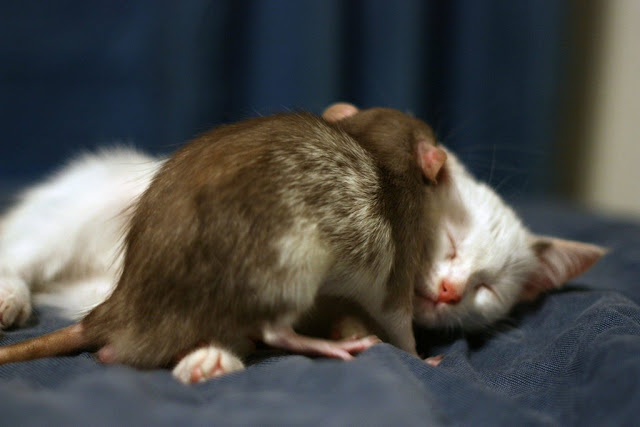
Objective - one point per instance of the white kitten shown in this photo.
(488, 261)
(61, 240)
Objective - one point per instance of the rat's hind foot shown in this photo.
(15, 301)
(287, 339)
(205, 363)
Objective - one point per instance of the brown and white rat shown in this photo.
(245, 226)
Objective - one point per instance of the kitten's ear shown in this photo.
(339, 111)
(558, 262)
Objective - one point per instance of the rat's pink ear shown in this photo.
(339, 111)
(558, 262)
(430, 159)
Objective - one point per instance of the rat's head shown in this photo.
(396, 139)
(487, 261)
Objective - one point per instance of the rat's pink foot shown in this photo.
(287, 339)
(205, 363)
(434, 360)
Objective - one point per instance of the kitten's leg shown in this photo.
(205, 363)
(286, 338)
(75, 297)
(73, 216)
(15, 301)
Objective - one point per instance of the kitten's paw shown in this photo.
(15, 302)
(205, 363)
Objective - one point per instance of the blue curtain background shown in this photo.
(80, 74)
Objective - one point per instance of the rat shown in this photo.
(242, 228)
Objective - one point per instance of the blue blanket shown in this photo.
(572, 358)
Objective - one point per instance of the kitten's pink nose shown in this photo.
(448, 293)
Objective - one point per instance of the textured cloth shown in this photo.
(572, 358)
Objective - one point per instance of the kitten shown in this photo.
(488, 261)
(61, 241)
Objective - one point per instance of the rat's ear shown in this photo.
(558, 262)
(339, 111)
(430, 159)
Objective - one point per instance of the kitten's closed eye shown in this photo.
(453, 253)
(484, 294)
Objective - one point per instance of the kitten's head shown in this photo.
(487, 261)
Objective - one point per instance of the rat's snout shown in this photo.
(448, 293)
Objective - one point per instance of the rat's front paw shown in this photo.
(205, 363)
(15, 301)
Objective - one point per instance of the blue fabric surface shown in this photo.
(572, 358)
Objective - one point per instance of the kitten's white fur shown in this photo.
(61, 241)
(490, 259)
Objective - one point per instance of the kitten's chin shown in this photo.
(436, 321)
(431, 314)
(424, 311)
(475, 315)
(424, 307)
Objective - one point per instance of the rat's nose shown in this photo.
(448, 293)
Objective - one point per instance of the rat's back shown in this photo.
(240, 229)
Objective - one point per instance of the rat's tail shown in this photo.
(63, 341)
